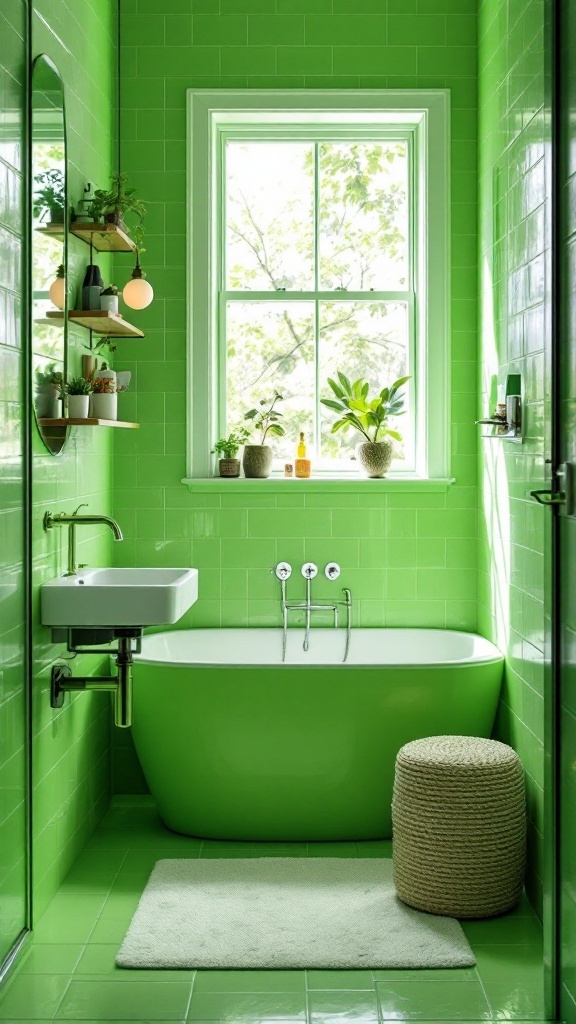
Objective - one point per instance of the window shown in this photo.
(316, 248)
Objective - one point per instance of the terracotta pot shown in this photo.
(229, 467)
(257, 461)
(375, 458)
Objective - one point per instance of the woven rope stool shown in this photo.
(459, 826)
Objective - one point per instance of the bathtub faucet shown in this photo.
(283, 571)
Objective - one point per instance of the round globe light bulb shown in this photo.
(138, 293)
(57, 292)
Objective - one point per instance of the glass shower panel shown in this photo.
(14, 806)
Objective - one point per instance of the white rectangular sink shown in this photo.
(118, 597)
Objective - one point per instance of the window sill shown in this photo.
(327, 485)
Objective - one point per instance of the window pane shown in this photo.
(269, 216)
(270, 347)
(363, 216)
(367, 340)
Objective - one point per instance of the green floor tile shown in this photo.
(515, 931)
(375, 848)
(32, 996)
(247, 1006)
(335, 1006)
(98, 960)
(51, 958)
(331, 980)
(249, 981)
(432, 1000)
(457, 974)
(70, 918)
(112, 1000)
(332, 850)
(513, 980)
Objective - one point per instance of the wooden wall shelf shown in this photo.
(100, 321)
(103, 237)
(91, 422)
(56, 230)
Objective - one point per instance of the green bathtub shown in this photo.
(235, 744)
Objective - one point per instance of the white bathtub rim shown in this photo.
(487, 653)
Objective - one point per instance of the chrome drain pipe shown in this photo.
(63, 682)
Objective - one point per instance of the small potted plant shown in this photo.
(357, 411)
(78, 390)
(49, 200)
(109, 298)
(227, 449)
(257, 460)
(113, 203)
(104, 398)
(48, 392)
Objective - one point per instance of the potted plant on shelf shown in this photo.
(104, 398)
(112, 204)
(257, 460)
(357, 411)
(227, 449)
(48, 392)
(109, 298)
(78, 390)
(50, 197)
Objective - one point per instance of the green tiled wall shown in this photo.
(513, 272)
(13, 683)
(408, 558)
(72, 746)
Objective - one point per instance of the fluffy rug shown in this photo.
(282, 912)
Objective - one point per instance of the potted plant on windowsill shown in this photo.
(227, 449)
(48, 392)
(257, 460)
(78, 390)
(357, 411)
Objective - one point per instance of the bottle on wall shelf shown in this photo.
(302, 466)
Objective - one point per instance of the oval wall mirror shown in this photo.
(48, 250)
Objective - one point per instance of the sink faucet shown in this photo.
(72, 521)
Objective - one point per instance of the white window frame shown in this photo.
(212, 114)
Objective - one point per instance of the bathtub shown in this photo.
(235, 744)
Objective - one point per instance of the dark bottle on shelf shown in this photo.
(91, 287)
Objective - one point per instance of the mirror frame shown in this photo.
(53, 438)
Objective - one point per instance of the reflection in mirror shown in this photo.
(48, 249)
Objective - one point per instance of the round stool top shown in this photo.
(457, 751)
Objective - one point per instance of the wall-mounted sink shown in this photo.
(118, 597)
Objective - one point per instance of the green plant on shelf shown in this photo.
(49, 200)
(114, 203)
(78, 386)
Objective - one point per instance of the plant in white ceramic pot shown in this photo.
(78, 390)
(257, 461)
(104, 398)
(369, 416)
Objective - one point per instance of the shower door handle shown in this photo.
(564, 495)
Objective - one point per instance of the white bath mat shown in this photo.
(283, 912)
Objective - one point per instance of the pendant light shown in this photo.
(138, 293)
(57, 290)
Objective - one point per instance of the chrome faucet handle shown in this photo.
(83, 505)
(283, 570)
(332, 571)
(309, 570)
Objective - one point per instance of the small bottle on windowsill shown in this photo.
(302, 466)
